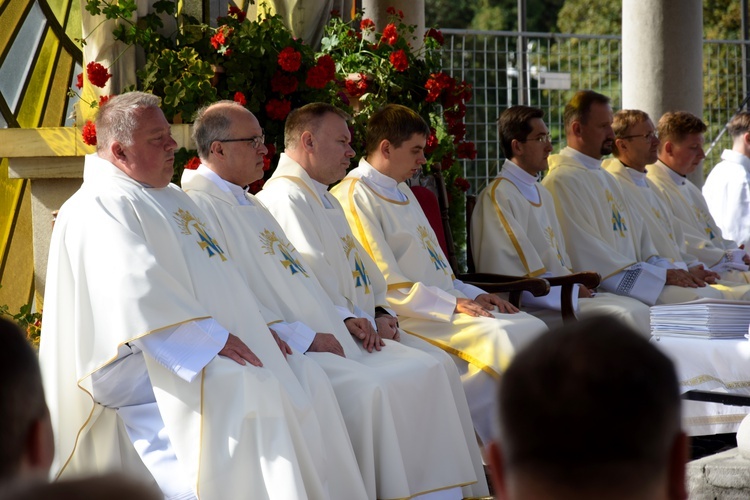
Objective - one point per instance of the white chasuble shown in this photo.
(128, 260)
(727, 194)
(703, 237)
(514, 235)
(667, 237)
(392, 419)
(400, 240)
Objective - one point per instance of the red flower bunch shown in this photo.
(436, 84)
(240, 98)
(447, 161)
(432, 142)
(278, 109)
(89, 133)
(323, 72)
(399, 60)
(393, 12)
(97, 74)
(466, 150)
(367, 24)
(104, 99)
(237, 13)
(436, 35)
(79, 81)
(356, 86)
(390, 34)
(283, 84)
(269, 156)
(221, 37)
(462, 184)
(193, 163)
(289, 59)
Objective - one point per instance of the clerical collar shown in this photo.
(385, 186)
(735, 157)
(524, 181)
(238, 192)
(639, 178)
(585, 160)
(322, 191)
(678, 179)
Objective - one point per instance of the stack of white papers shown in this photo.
(704, 318)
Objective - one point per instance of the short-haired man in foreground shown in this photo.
(148, 322)
(587, 412)
(635, 147)
(26, 442)
(601, 232)
(481, 330)
(727, 187)
(515, 229)
(680, 153)
(403, 390)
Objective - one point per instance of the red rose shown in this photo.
(390, 34)
(357, 86)
(237, 12)
(317, 77)
(79, 81)
(278, 109)
(446, 162)
(283, 84)
(436, 35)
(289, 59)
(89, 133)
(97, 74)
(193, 163)
(436, 84)
(240, 98)
(399, 60)
(367, 24)
(462, 184)
(467, 150)
(432, 142)
(329, 65)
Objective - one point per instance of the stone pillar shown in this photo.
(413, 13)
(662, 58)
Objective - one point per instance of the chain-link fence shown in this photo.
(556, 66)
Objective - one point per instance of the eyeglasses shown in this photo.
(541, 138)
(649, 137)
(255, 141)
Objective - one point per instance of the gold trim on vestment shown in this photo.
(700, 379)
(461, 354)
(390, 200)
(509, 230)
(200, 443)
(397, 286)
(353, 209)
(299, 181)
(715, 419)
(461, 485)
(93, 402)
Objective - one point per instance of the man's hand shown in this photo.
(388, 327)
(704, 274)
(363, 330)
(584, 292)
(684, 279)
(236, 350)
(473, 309)
(285, 349)
(489, 301)
(326, 342)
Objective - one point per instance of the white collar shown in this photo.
(735, 157)
(524, 181)
(238, 192)
(322, 191)
(585, 160)
(639, 178)
(379, 182)
(678, 179)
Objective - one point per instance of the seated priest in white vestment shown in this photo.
(395, 399)
(727, 187)
(601, 233)
(634, 148)
(154, 346)
(515, 229)
(482, 334)
(680, 153)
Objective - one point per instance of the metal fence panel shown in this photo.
(488, 61)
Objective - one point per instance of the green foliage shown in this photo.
(29, 321)
(590, 17)
(449, 13)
